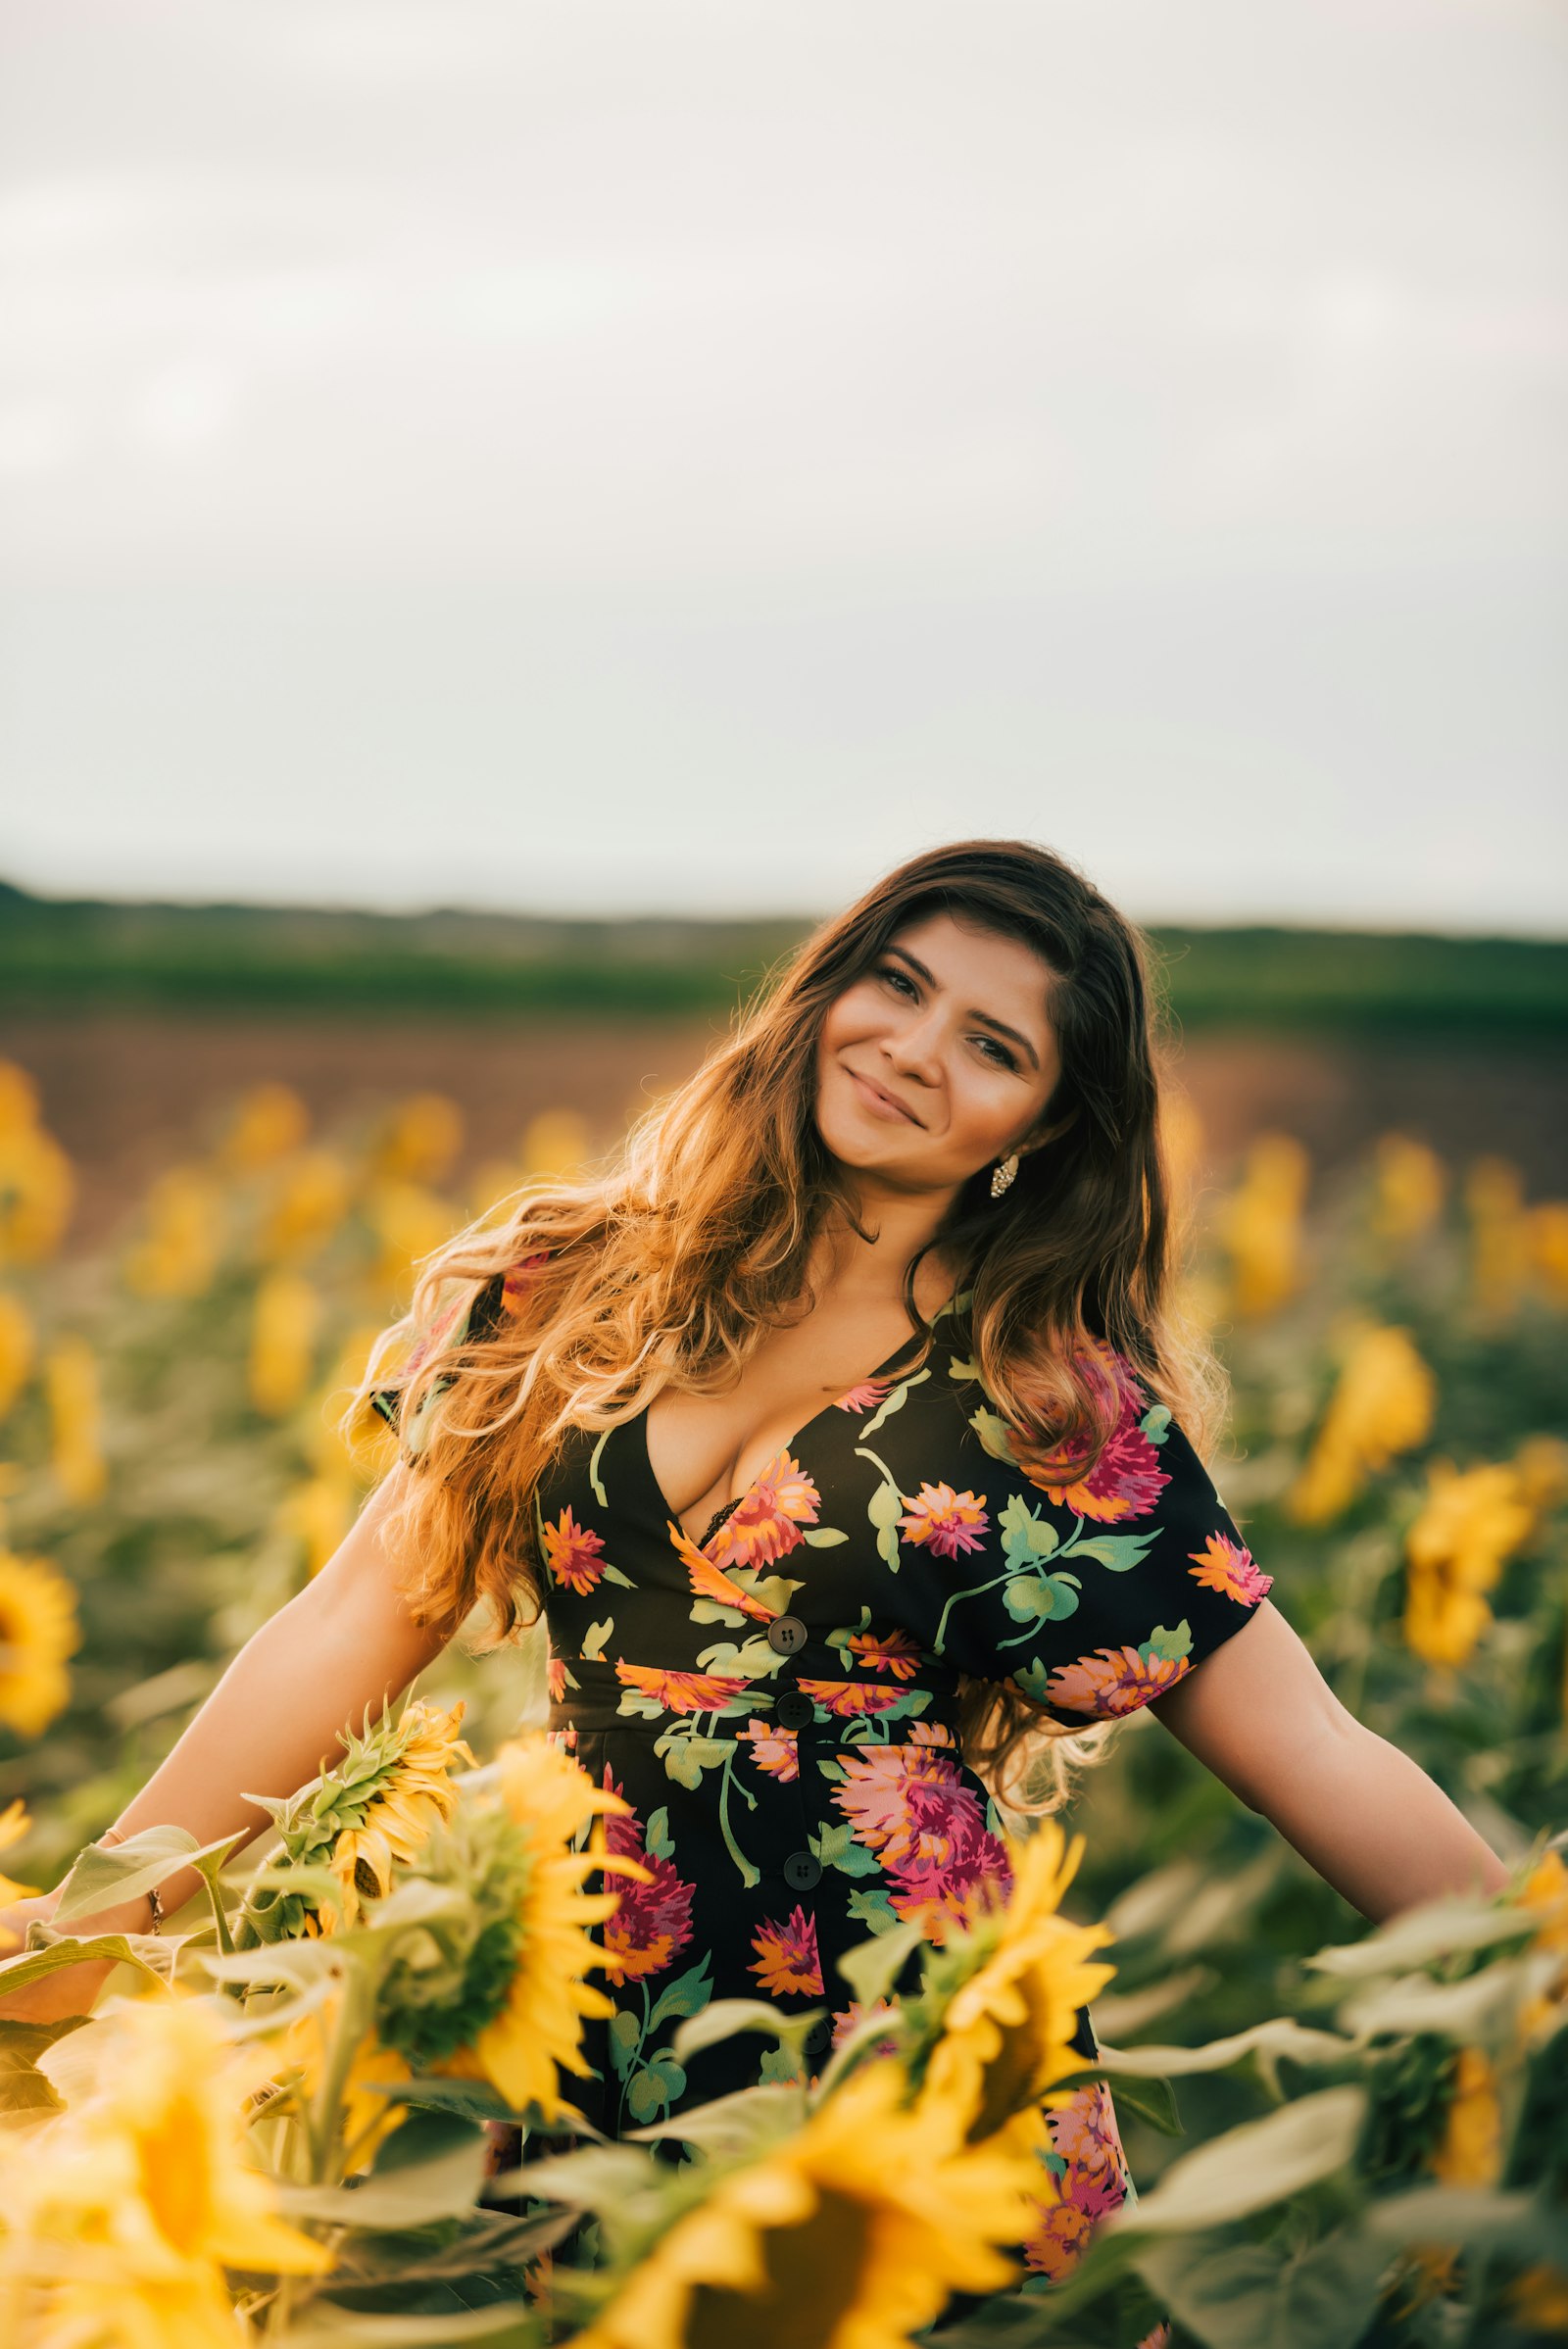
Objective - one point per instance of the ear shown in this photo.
(1051, 1132)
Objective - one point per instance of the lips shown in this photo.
(881, 1094)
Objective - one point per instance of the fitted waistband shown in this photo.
(843, 1709)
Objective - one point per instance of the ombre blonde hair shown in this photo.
(669, 1263)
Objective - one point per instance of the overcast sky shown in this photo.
(628, 452)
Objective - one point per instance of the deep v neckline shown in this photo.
(790, 1445)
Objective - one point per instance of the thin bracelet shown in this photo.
(117, 1835)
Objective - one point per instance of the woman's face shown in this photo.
(941, 1059)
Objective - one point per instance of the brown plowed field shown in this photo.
(129, 1092)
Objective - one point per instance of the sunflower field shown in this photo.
(331, 2103)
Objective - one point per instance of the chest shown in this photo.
(706, 1451)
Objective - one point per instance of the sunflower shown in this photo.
(38, 1630)
(530, 2025)
(378, 1805)
(849, 2233)
(125, 2213)
(1002, 1999)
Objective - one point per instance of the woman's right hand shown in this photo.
(71, 1989)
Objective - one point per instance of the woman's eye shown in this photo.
(1005, 1059)
(898, 977)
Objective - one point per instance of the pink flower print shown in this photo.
(565, 1739)
(945, 1521)
(1084, 2132)
(767, 1523)
(1127, 1479)
(773, 1750)
(787, 1958)
(1222, 1565)
(863, 1398)
(574, 1553)
(653, 1921)
(892, 1651)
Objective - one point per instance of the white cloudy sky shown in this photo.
(691, 452)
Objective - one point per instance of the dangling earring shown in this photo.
(1002, 1174)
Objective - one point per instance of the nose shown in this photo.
(914, 1048)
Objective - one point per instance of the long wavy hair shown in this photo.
(668, 1263)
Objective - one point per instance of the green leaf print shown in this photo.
(1032, 1679)
(836, 1847)
(962, 1370)
(655, 2088)
(895, 1402)
(775, 1591)
(613, 1574)
(754, 1659)
(687, 1994)
(1118, 1551)
(1035, 1598)
(713, 1610)
(1171, 1645)
(1025, 1534)
(874, 1910)
(991, 1431)
(657, 1840)
(594, 1638)
(1155, 1424)
(626, 2038)
(600, 1494)
(825, 1537)
(686, 1758)
(884, 1508)
(781, 2067)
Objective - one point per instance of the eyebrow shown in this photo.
(984, 1018)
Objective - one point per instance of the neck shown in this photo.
(900, 1223)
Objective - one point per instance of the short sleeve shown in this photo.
(1112, 1587)
(468, 1320)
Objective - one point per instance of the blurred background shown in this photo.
(508, 514)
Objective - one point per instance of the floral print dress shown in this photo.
(778, 1702)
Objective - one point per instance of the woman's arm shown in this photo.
(344, 1641)
(1261, 1715)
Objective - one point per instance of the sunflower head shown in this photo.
(375, 1807)
(38, 1630)
(852, 2231)
(992, 2030)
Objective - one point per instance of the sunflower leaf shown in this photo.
(106, 1874)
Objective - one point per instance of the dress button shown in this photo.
(819, 2039)
(801, 1870)
(785, 1634)
(793, 1709)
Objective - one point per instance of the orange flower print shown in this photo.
(556, 1676)
(1222, 1565)
(786, 1956)
(767, 1523)
(574, 1553)
(773, 1750)
(1115, 1680)
(863, 1398)
(886, 1651)
(1058, 2239)
(849, 1699)
(682, 1691)
(1127, 1479)
(709, 1581)
(945, 1521)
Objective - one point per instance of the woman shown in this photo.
(844, 1433)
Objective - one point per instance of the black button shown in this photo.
(785, 1634)
(794, 1710)
(819, 2039)
(801, 1870)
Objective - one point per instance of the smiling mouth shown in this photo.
(887, 1098)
